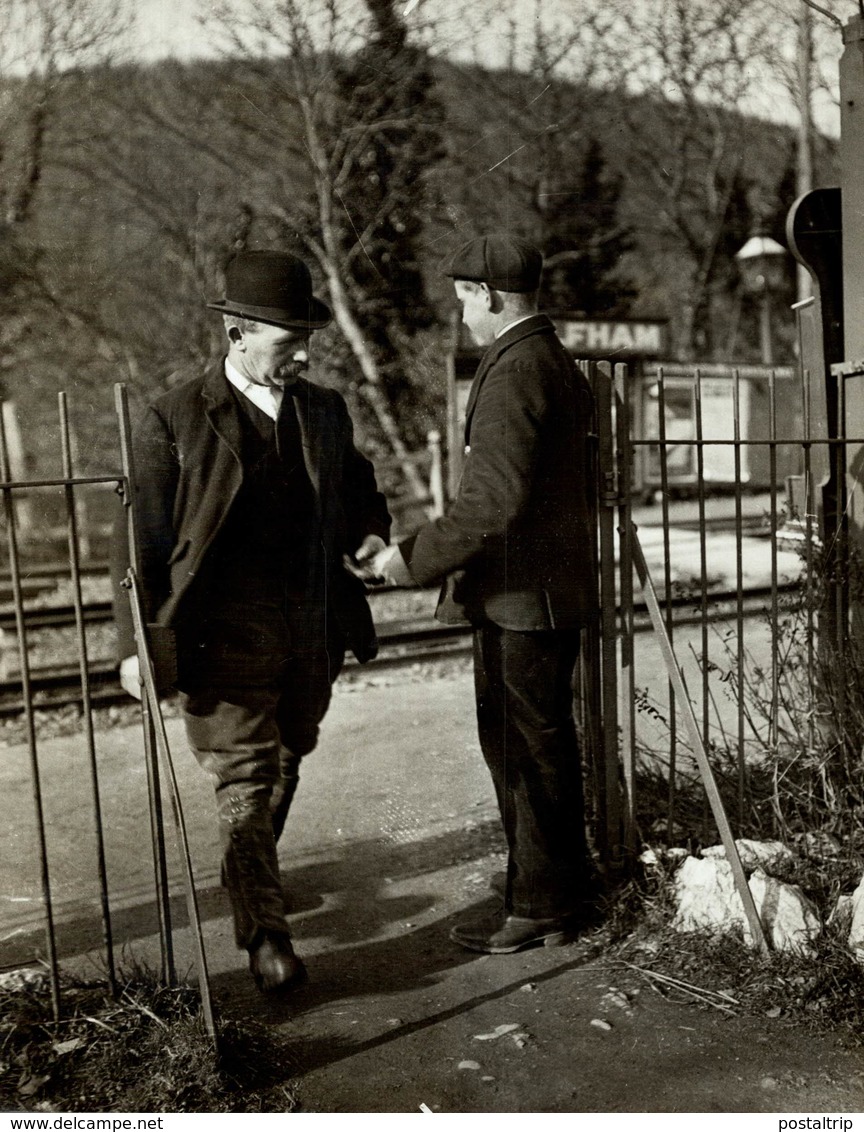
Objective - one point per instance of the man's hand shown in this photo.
(360, 563)
(389, 566)
(130, 676)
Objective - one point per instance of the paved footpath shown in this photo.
(392, 840)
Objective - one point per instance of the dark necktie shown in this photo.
(289, 443)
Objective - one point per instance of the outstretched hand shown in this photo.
(389, 566)
(360, 563)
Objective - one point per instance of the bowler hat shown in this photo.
(275, 287)
(504, 262)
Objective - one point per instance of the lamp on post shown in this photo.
(760, 262)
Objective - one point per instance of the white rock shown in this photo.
(705, 896)
(68, 1046)
(856, 922)
(790, 920)
(664, 856)
(617, 999)
(23, 978)
(708, 900)
(468, 1065)
(755, 854)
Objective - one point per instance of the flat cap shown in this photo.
(505, 263)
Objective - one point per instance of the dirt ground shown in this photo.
(411, 1021)
(393, 839)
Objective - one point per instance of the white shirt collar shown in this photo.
(515, 322)
(267, 398)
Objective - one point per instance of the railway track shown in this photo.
(401, 643)
(57, 686)
(57, 616)
(42, 578)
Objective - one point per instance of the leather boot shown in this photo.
(273, 964)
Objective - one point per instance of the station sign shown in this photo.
(612, 338)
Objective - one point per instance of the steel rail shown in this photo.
(96, 612)
(55, 686)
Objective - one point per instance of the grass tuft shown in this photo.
(148, 1051)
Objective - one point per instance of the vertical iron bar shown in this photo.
(841, 562)
(667, 586)
(588, 692)
(775, 601)
(86, 703)
(809, 504)
(703, 578)
(588, 683)
(625, 538)
(739, 595)
(150, 694)
(608, 614)
(30, 724)
(157, 826)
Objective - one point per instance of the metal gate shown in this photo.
(755, 594)
(720, 610)
(15, 494)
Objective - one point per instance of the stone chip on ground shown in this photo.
(498, 1032)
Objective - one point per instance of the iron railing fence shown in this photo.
(42, 836)
(69, 483)
(755, 593)
(735, 601)
(49, 849)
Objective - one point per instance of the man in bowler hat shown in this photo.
(253, 508)
(515, 548)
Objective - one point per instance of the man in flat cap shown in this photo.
(251, 502)
(516, 549)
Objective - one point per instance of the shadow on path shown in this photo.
(345, 895)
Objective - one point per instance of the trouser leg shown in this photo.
(237, 743)
(523, 683)
(284, 790)
(303, 701)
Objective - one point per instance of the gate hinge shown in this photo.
(609, 492)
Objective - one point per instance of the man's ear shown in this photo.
(493, 299)
(235, 335)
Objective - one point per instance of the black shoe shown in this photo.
(274, 965)
(502, 933)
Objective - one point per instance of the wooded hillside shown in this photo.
(143, 180)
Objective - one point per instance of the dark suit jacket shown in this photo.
(519, 533)
(187, 472)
